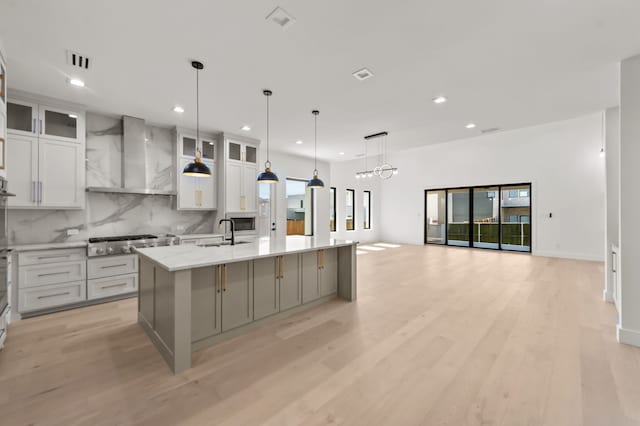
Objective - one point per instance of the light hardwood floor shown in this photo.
(438, 336)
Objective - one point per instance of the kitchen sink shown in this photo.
(224, 243)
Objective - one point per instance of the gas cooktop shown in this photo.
(125, 244)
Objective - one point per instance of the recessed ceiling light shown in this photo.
(439, 100)
(76, 82)
(363, 74)
(470, 125)
(246, 128)
(73, 116)
(298, 142)
(178, 108)
(281, 17)
(341, 153)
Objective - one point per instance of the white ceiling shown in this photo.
(501, 63)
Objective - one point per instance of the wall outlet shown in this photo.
(180, 228)
(73, 231)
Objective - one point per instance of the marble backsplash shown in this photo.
(109, 214)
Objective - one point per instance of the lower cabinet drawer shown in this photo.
(51, 256)
(52, 273)
(111, 286)
(49, 296)
(108, 266)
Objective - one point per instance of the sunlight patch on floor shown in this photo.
(371, 248)
(359, 252)
(387, 245)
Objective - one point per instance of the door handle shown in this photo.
(35, 127)
(40, 191)
(278, 267)
(281, 266)
(33, 191)
(41, 126)
(218, 277)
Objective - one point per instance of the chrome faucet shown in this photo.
(233, 230)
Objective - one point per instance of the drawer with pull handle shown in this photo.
(49, 296)
(40, 257)
(109, 266)
(51, 273)
(111, 286)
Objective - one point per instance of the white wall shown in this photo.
(292, 166)
(629, 325)
(343, 178)
(560, 159)
(612, 212)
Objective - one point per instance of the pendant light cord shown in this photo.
(198, 109)
(268, 132)
(315, 145)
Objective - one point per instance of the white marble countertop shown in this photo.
(47, 246)
(198, 236)
(176, 258)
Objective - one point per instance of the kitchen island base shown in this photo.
(190, 309)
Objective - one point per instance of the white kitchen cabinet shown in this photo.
(45, 173)
(196, 193)
(28, 118)
(45, 156)
(22, 170)
(241, 173)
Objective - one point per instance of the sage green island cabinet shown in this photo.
(193, 297)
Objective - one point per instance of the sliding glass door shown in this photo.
(458, 203)
(493, 217)
(436, 214)
(515, 224)
(486, 212)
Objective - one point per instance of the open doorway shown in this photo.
(299, 207)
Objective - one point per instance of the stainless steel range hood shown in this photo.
(134, 162)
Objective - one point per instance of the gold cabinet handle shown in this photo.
(225, 278)
(278, 267)
(320, 259)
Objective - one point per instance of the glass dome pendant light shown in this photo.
(267, 176)
(197, 168)
(315, 182)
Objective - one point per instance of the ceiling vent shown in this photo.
(77, 60)
(490, 130)
(281, 17)
(363, 74)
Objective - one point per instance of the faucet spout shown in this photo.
(233, 230)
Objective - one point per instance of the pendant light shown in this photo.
(315, 182)
(197, 168)
(267, 176)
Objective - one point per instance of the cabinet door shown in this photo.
(22, 170)
(234, 186)
(22, 118)
(60, 174)
(186, 187)
(251, 154)
(310, 287)
(208, 187)
(208, 149)
(206, 308)
(60, 124)
(328, 272)
(290, 288)
(266, 297)
(250, 184)
(234, 151)
(188, 146)
(237, 295)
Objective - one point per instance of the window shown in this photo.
(366, 212)
(332, 209)
(350, 211)
(435, 215)
(299, 207)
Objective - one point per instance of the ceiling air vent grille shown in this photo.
(281, 17)
(490, 130)
(78, 60)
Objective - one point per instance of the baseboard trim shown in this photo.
(627, 336)
(563, 255)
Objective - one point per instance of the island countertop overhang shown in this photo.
(178, 258)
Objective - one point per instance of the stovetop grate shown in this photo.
(122, 238)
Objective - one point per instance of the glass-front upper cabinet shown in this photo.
(240, 151)
(28, 119)
(55, 123)
(208, 149)
(251, 154)
(188, 146)
(22, 117)
(235, 151)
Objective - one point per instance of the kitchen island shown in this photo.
(192, 297)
